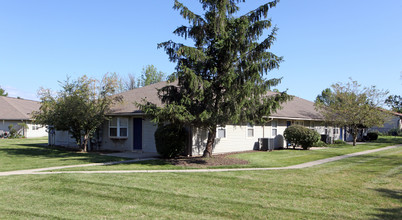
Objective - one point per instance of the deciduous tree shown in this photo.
(79, 108)
(395, 102)
(150, 75)
(222, 77)
(354, 107)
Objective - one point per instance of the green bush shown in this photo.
(372, 136)
(13, 133)
(339, 141)
(170, 140)
(395, 132)
(320, 143)
(299, 135)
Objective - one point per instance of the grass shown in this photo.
(280, 158)
(18, 154)
(389, 139)
(363, 187)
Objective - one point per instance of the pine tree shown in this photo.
(221, 79)
(3, 92)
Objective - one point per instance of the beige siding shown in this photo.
(126, 144)
(117, 144)
(148, 139)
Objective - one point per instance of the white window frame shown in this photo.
(118, 127)
(250, 127)
(221, 128)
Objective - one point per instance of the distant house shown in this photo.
(15, 111)
(129, 129)
(393, 122)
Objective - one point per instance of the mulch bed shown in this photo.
(215, 160)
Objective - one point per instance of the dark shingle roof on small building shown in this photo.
(128, 107)
(17, 109)
(296, 109)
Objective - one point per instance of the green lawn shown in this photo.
(279, 158)
(363, 187)
(19, 154)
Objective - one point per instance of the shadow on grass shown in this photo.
(389, 139)
(390, 213)
(43, 150)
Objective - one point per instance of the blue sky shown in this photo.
(322, 42)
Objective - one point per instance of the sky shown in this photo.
(322, 42)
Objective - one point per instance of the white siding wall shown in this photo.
(29, 133)
(36, 131)
(237, 140)
(63, 138)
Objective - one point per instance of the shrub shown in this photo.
(170, 140)
(339, 141)
(320, 143)
(299, 135)
(395, 132)
(372, 136)
(13, 133)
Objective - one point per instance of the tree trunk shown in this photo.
(210, 143)
(354, 133)
(85, 144)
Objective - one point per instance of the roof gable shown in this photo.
(17, 109)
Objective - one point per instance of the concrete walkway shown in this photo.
(299, 166)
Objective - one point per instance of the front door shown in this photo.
(137, 134)
(340, 133)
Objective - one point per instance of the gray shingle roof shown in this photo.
(297, 108)
(127, 107)
(17, 109)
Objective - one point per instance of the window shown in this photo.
(274, 125)
(221, 132)
(298, 123)
(118, 127)
(250, 130)
(36, 127)
(336, 131)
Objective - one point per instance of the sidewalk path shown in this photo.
(299, 166)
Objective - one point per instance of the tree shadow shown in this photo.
(389, 213)
(65, 154)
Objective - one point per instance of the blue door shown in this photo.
(137, 134)
(341, 134)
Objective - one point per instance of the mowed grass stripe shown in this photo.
(353, 188)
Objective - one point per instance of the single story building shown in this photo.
(394, 122)
(14, 111)
(129, 129)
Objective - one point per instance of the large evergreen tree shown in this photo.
(221, 79)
